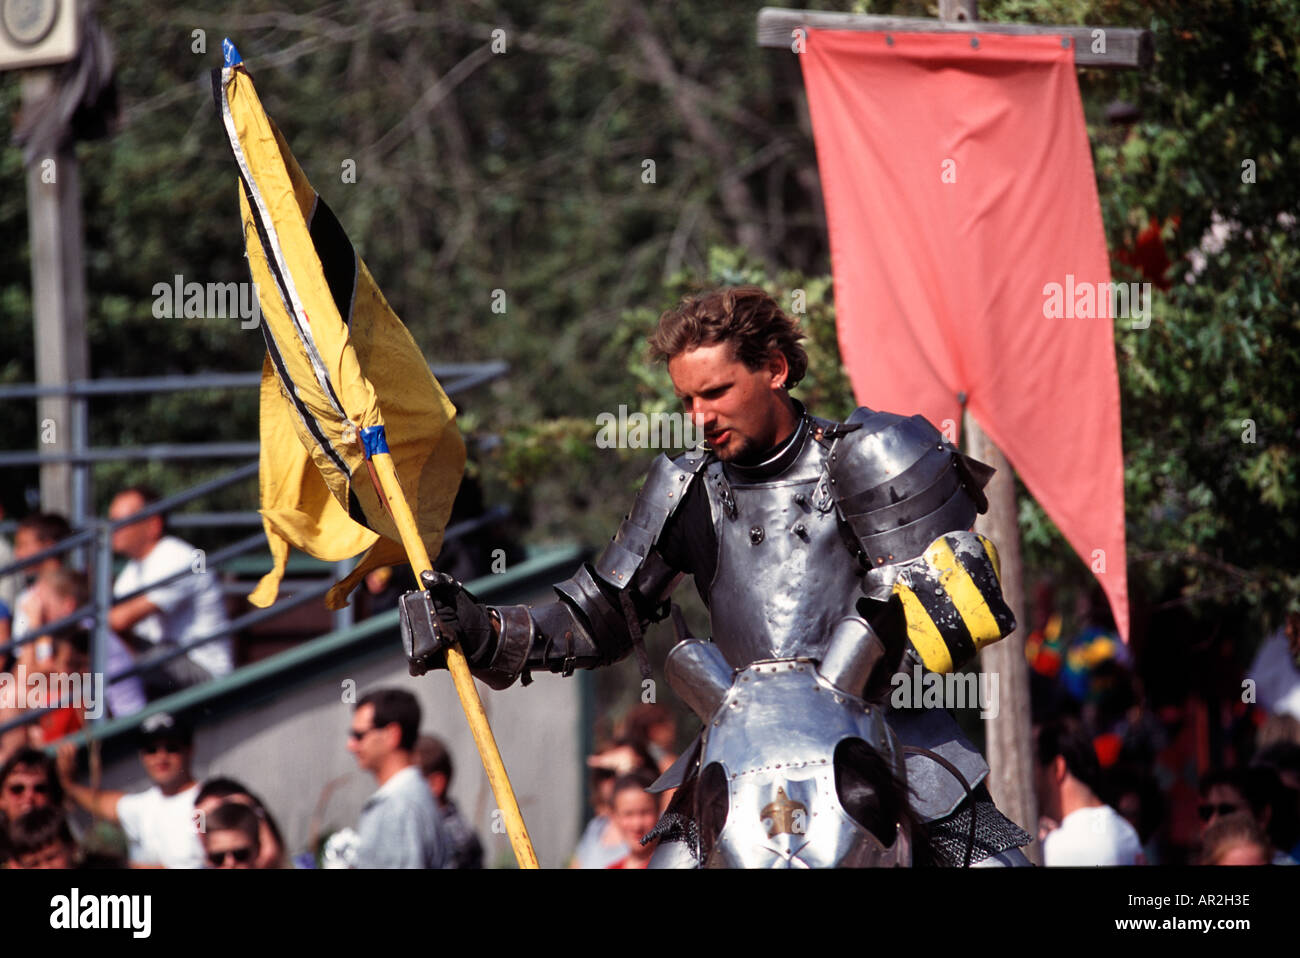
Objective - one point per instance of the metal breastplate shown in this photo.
(784, 574)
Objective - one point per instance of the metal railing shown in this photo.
(93, 540)
(454, 377)
(104, 599)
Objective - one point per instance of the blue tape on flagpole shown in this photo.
(231, 55)
(374, 441)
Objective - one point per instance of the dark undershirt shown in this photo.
(689, 543)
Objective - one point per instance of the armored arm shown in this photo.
(597, 615)
(908, 499)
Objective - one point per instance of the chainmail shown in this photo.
(676, 827)
(994, 833)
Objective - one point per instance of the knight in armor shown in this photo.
(795, 530)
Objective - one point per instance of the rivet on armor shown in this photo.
(681, 478)
(800, 530)
(800, 499)
(756, 535)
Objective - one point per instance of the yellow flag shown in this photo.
(339, 362)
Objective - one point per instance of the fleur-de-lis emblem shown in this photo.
(784, 817)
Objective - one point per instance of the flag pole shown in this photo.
(375, 444)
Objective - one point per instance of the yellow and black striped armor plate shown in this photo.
(952, 598)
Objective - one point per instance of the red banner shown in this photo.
(969, 258)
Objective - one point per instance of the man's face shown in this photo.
(635, 813)
(739, 410)
(268, 851)
(53, 855)
(135, 540)
(1219, 801)
(55, 604)
(229, 849)
(166, 762)
(369, 744)
(25, 788)
(26, 544)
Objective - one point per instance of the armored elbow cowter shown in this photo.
(597, 616)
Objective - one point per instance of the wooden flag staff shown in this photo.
(384, 476)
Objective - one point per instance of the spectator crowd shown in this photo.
(1120, 778)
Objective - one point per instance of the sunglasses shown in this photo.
(19, 788)
(358, 736)
(1209, 811)
(171, 748)
(242, 856)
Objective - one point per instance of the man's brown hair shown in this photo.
(432, 756)
(744, 316)
(38, 829)
(234, 817)
(48, 527)
(1229, 831)
(68, 584)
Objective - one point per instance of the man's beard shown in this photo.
(747, 454)
(741, 450)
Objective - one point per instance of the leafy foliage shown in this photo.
(525, 171)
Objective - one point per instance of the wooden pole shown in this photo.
(58, 297)
(1122, 48)
(1009, 739)
(391, 490)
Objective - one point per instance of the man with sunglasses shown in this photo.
(159, 822)
(231, 838)
(399, 825)
(27, 781)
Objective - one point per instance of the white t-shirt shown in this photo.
(126, 696)
(12, 584)
(1093, 836)
(161, 828)
(191, 607)
(21, 625)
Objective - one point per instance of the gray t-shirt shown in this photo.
(399, 826)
